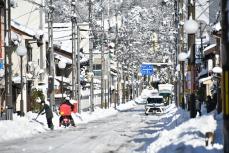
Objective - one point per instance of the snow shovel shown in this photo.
(35, 119)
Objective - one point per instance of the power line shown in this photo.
(26, 13)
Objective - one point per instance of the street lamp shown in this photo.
(105, 81)
(21, 51)
(191, 27)
(182, 57)
(62, 66)
(217, 70)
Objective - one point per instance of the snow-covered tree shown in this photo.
(148, 22)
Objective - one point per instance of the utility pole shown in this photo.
(8, 61)
(123, 86)
(128, 65)
(177, 82)
(132, 76)
(128, 81)
(181, 49)
(91, 57)
(125, 89)
(108, 61)
(191, 47)
(102, 60)
(78, 69)
(225, 74)
(51, 94)
(42, 48)
(74, 74)
(116, 49)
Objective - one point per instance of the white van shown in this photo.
(154, 105)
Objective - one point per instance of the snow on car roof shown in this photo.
(155, 96)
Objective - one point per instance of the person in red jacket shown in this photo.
(65, 109)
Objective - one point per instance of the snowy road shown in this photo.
(128, 131)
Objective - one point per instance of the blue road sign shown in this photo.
(146, 69)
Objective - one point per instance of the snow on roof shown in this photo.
(84, 59)
(205, 79)
(62, 25)
(159, 64)
(148, 92)
(96, 51)
(155, 96)
(217, 27)
(63, 58)
(210, 46)
(17, 79)
(165, 87)
(113, 67)
(113, 73)
(68, 60)
(25, 29)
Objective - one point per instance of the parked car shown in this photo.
(154, 105)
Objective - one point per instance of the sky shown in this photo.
(179, 134)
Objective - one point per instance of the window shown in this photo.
(97, 69)
(154, 100)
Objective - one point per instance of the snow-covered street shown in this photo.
(123, 132)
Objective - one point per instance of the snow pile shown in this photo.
(22, 127)
(126, 106)
(187, 136)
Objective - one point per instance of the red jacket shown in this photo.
(65, 110)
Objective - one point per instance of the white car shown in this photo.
(155, 105)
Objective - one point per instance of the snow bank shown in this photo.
(126, 106)
(187, 137)
(22, 127)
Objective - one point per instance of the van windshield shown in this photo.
(154, 100)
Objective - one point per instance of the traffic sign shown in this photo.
(146, 69)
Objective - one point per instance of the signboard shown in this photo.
(146, 69)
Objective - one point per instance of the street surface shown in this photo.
(128, 131)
